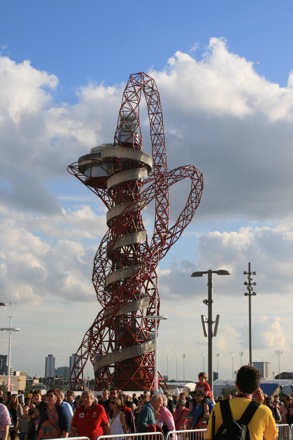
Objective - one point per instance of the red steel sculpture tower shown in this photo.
(121, 341)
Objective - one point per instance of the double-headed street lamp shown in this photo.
(209, 302)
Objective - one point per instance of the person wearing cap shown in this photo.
(200, 410)
(181, 416)
(90, 419)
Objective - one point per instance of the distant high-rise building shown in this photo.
(3, 364)
(72, 359)
(263, 367)
(50, 366)
(62, 372)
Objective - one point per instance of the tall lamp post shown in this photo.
(232, 354)
(241, 355)
(209, 321)
(218, 355)
(9, 329)
(157, 318)
(203, 355)
(279, 352)
(183, 366)
(249, 286)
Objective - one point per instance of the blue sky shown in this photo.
(104, 41)
(223, 69)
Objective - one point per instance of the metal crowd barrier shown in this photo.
(137, 435)
(285, 431)
(186, 434)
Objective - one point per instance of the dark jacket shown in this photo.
(63, 416)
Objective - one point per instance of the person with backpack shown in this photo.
(242, 418)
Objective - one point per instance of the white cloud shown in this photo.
(220, 115)
(23, 90)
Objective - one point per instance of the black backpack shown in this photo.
(233, 429)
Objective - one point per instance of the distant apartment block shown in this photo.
(72, 359)
(50, 366)
(3, 364)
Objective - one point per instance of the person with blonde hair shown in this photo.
(89, 419)
(15, 411)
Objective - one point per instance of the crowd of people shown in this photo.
(113, 412)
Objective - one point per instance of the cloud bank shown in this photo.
(220, 115)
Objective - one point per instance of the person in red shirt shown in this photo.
(90, 419)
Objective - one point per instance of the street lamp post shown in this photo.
(9, 329)
(218, 355)
(157, 318)
(249, 286)
(203, 355)
(232, 354)
(241, 355)
(183, 366)
(279, 352)
(209, 321)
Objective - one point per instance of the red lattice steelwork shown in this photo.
(120, 342)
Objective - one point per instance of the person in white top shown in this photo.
(116, 417)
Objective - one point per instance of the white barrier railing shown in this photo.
(284, 431)
(137, 435)
(186, 434)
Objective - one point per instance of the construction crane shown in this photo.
(121, 341)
